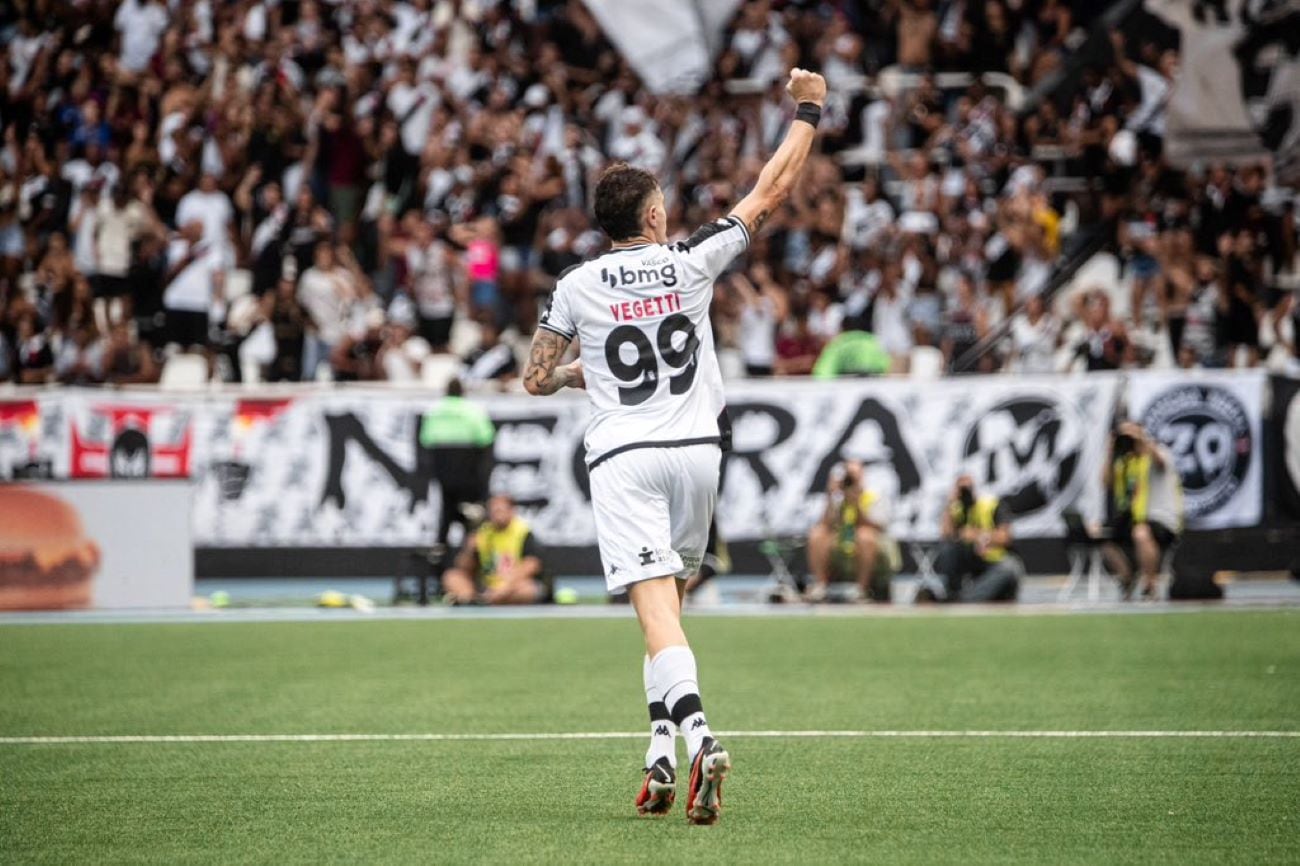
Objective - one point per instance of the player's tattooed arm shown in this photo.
(782, 170)
(544, 374)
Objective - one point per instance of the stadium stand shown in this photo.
(378, 175)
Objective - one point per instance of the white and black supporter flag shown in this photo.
(1237, 93)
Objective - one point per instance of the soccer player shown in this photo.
(640, 312)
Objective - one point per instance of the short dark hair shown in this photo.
(621, 194)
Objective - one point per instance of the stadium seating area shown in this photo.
(380, 190)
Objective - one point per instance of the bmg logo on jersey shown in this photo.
(665, 275)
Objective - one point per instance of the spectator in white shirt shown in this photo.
(1035, 336)
(868, 215)
(211, 207)
(141, 24)
(82, 217)
(889, 315)
(195, 270)
(637, 144)
(492, 360)
(116, 226)
(762, 309)
(412, 103)
(325, 292)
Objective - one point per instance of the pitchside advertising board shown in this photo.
(103, 544)
(345, 468)
(1212, 425)
(1286, 418)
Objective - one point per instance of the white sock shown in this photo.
(674, 673)
(663, 731)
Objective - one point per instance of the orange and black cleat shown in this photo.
(710, 767)
(659, 790)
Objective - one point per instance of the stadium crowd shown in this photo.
(343, 190)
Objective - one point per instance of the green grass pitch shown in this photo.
(815, 800)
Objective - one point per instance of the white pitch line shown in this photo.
(631, 735)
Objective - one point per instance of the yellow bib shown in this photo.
(982, 516)
(499, 550)
(1131, 483)
(849, 512)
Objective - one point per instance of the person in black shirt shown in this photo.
(976, 561)
(1239, 304)
(519, 208)
(355, 357)
(290, 322)
(148, 277)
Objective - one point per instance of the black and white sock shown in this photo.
(663, 730)
(673, 670)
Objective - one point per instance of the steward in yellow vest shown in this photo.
(851, 541)
(975, 561)
(1146, 507)
(500, 563)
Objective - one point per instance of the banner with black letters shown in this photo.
(1211, 421)
(345, 468)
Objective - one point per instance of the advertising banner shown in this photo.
(1211, 422)
(344, 467)
(102, 544)
(1286, 415)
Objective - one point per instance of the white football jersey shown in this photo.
(641, 316)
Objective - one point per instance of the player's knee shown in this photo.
(819, 535)
(1142, 533)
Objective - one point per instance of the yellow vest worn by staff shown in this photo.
(890, 556)
(499, 549)
(982, 516)
(1132, 492)
(1131, 485)
(849, 512)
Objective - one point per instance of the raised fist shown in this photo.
(806, 86)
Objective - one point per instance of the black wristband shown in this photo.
(809, 112)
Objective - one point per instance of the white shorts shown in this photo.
(653, 507)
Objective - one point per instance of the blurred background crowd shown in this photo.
(387, 190)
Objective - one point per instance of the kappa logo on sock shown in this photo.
(698, 723)
(661, 731)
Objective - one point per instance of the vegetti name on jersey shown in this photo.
(641, 315)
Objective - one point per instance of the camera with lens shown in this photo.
(966, 496)
(852, 474)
